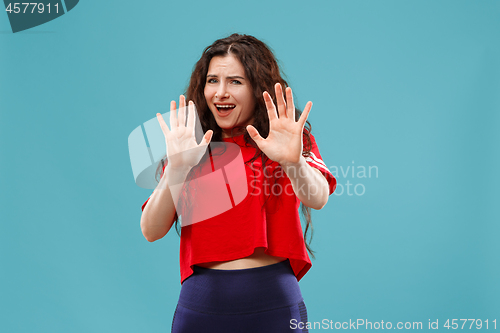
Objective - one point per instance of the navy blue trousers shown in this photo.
(257, 300)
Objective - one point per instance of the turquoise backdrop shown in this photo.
(408, 88)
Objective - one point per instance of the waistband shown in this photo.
(240, 291)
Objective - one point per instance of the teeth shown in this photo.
(225, 106)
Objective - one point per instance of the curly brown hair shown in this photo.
(263, 72)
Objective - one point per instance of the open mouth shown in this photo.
(222, 108)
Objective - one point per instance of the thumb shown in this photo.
(207, 138)
(254, 134)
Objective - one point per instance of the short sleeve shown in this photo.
(315, 160)
(145, 203)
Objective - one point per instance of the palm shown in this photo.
(182, 148)
(284, 142)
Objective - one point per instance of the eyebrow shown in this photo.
(229, 77)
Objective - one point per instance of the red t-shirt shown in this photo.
(226, 220)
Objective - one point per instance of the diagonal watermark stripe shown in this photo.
(218, 183)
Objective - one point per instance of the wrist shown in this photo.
(177, 169)
(175, 175)
(290, 167)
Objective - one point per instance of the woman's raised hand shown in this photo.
(284, 142)
(182, 148)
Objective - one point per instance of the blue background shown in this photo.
(411, 87)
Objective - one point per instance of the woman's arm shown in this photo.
(183, 152)
(159, 213)
(308, 183)
(284, 145)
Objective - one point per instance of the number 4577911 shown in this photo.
(17, 7)
(479, 323)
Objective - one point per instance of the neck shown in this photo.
(235, 131)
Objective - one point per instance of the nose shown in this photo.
(221, 91)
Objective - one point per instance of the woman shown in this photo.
(240, 269)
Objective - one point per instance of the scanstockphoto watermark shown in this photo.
(328, 324)
(350, 180)
(358, 174)
(431, 324)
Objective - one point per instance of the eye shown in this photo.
(236, 82)
(211, 80)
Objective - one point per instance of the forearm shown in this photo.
(308, 184)
(159, 213)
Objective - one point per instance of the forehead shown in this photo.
(227, 64)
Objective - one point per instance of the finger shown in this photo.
(280, 100)
(182, 112)
(207, 138)
(163, 125)
(271, 109)
(290, 106)
(305, 114)
(191, 116)
(173, 115)
(182, 101)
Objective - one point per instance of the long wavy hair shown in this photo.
(263, 72)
